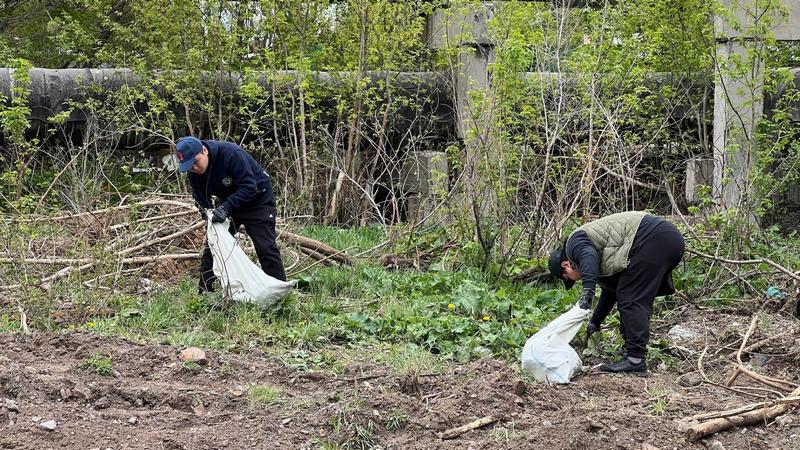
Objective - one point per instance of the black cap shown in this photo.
(554, 264)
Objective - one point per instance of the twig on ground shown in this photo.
(458, 431)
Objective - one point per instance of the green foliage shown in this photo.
(98, 363)
(353, 431)
(396, 420)
(265, 395)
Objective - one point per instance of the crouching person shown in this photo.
(631, 256)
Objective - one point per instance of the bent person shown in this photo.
(242, 192)
(631, 256)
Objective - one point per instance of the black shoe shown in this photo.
(621, 353)
(626, 366)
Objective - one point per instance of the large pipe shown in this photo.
(50, 89)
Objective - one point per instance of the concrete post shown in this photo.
(738, 93)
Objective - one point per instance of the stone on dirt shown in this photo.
(690, 379)
(519, 387)
(49, 425)
(717, 445)
(681, 333)
(193, 354)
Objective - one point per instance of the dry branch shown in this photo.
(758, 416)
(776, 383)
(315, 245)
(747, 261)
(458, 431)
(172, 218)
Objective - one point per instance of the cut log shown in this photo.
(315, 245)
(758, 416)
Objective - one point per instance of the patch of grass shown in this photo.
(352, 430)
(410, 358)
(191, 367)
(660, 399)
(9, 324)
(98, 363)
(265, 395)
(397, 419)
(503, 434)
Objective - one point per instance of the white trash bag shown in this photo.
(547, 354)
(240, 277)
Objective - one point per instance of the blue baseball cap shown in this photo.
(554, 264)
(186, 150)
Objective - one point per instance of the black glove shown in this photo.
(591, 329)
(219, 215)
(587, 296)
(202, 212)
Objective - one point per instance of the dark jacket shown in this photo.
(235, 178)
(581, 250)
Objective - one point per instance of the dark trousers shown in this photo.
(649, 274)
(261, 228)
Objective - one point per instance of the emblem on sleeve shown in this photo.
(227, 181)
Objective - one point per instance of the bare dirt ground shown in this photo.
(151, 401)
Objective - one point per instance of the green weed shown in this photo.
(396, 420)
(98, 363)
(353, 431)
(191, 367)
(265, 395)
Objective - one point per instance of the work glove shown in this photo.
(219, 215)
(587, 296)
(591, 329)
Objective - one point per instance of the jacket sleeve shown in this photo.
(243, 179)
(581, 251)
(199, 197)
(604, 306)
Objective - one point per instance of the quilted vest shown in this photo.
(612, 237)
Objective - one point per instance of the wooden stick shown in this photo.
(764, 342)
(748, 261)
(779, 384)
(761, 415)
(458, 431)
(45, 283)
(6, 260)
(150, 202)
(707, 380)
(746, 408)
(23, 320)
(319, 257)
(313, 244)
(151, 219)
(170, 237)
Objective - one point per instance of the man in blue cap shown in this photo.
(631, 256)
(241, 191)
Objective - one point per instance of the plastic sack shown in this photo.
(240, 277)
(547, 354)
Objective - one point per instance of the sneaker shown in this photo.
(626, 366)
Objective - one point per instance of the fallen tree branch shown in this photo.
(776, 383)
(764, 342)
(707, 380)
(170, 237)
(747, 261)
(761, 415)
(152, 219)
(745, 408)
(315, 245)
(458, 431)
